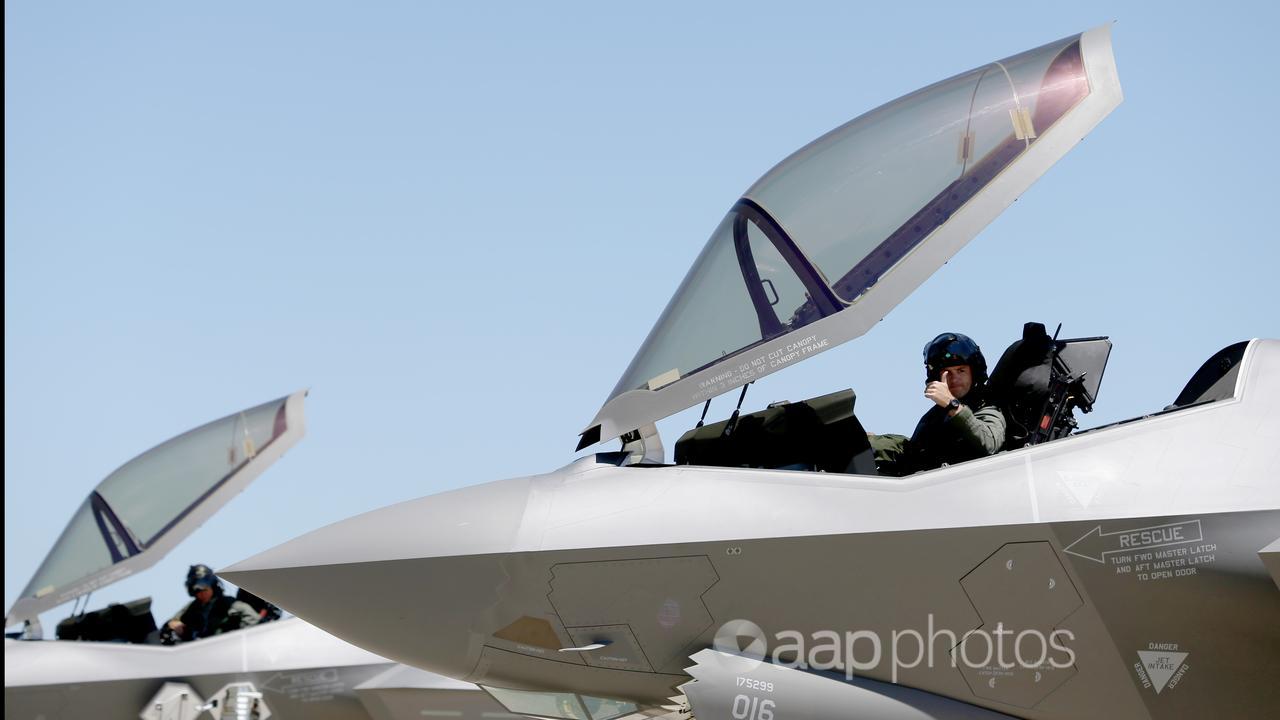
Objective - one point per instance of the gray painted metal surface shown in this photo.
(1140, 556)
(719, 678)
(301, 671)
(1143, 540)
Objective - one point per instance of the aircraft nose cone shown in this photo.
(408, 581)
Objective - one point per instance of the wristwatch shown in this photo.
(953, 405)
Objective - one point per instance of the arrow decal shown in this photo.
(1095, 544)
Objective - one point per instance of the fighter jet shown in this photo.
(110, 663)
(771, 573)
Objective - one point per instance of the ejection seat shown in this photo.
(1040, 381)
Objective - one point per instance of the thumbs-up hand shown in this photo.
(938, 391)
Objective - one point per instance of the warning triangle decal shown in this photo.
(1161, 666)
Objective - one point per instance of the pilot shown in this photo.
(962, 424)
(211, 612)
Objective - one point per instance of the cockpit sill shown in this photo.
(1234, 371)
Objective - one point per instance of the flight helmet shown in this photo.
(954, 349)
(201, 576)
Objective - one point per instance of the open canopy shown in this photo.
(832, 238)
(142, 510)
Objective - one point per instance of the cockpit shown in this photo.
(139, 512)
(1040, 384)
(827, 242)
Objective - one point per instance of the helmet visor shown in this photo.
(949, 349)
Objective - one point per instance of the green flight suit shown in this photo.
(222, 614)
(941, 440)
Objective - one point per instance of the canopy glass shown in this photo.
(151, 502)
(827, 223)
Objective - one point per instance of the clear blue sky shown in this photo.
(455, 223)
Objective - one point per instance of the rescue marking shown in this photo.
(307, 685)
(1095, 545)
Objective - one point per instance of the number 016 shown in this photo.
(752, 708)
